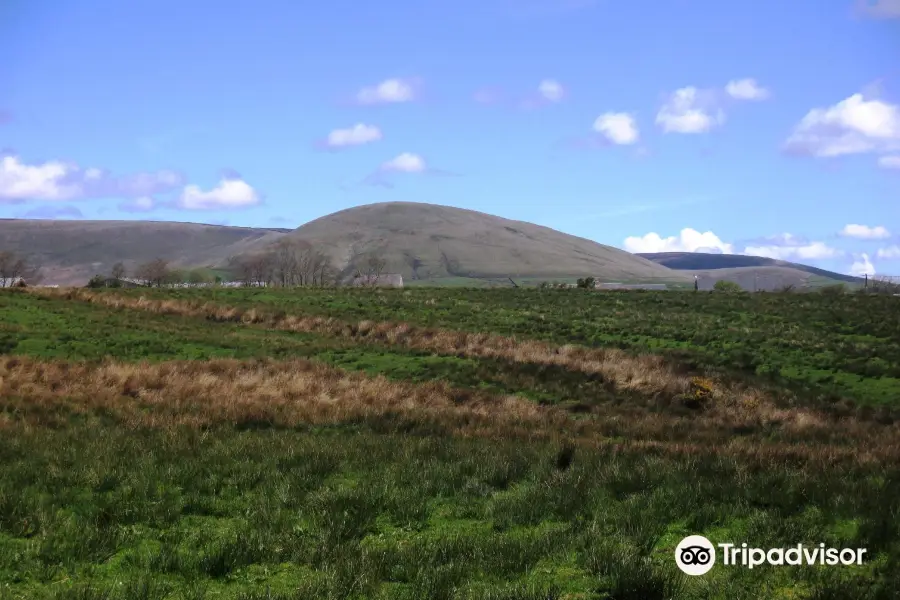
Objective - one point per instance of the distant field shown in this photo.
(821, 346)
(259, 444)
(504, 282)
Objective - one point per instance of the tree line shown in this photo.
(288, 263)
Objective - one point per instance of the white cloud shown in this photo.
(746, 89)
(619, 128)
(891, 161)
(864, 232)
(854, 125)
(388, 91)
(885, 9)
(689, 240)
(889, 252)
(230, 193)
(551, 90)
(784, 246)
(58, 180)
(51, 180)
(405, 163)
(862, 266)
(353, 136)
(810, 251)
(689, 110)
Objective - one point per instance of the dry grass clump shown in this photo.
(646, 374)
(262, 393)
(269, 393)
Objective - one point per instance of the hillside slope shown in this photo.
(423, 242)
(432, 242)
(699, 261)
(70, 252)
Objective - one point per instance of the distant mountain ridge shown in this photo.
(701, 261)
(71, 252)
(422, 242)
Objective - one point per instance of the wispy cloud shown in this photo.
(891, 161)
(138, 205)
(746, 89)
(390, 91)
(690, 110)
(548, 91)
(405, 163)
(62, 181)
(52, 212)
(865, 232)
(357, 135)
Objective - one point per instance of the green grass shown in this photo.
(342, 513)
(90, 509)
(822, 347)
(52, 328)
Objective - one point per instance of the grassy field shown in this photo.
(515, 444)
(819, 346)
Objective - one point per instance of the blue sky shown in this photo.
(765, 127)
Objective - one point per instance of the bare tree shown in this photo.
(254, 269)
(15, 269)
(284, 263)
(375, 266)
(297, 263)
(118, 271)
(305, 266)
(154, 273)
(291, 262)
(322, 272)
(371, 271)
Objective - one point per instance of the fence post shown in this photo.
(867, 281)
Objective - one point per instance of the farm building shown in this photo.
(394, 280)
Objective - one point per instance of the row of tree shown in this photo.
(293, 263)
(288, 263)
(154, 273)
(17, 270)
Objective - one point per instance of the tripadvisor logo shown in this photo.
(696, 555)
